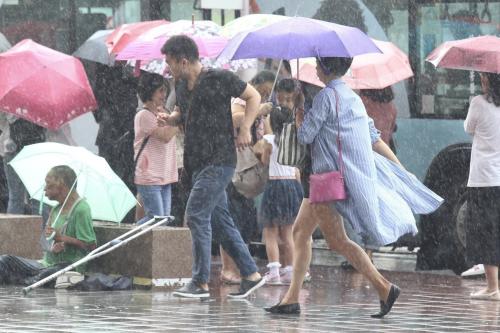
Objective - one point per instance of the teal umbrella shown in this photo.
(108, 196)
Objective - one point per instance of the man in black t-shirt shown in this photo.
(204, 107)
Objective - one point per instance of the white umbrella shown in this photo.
(108, 196)
(95, 49)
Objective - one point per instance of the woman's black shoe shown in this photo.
(293, 308)
(385, 307)
(347, 266)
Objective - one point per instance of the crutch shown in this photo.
(106, 248)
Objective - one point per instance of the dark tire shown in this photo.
(442, 232)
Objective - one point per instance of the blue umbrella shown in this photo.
(299, 37)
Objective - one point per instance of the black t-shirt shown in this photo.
(206, 112)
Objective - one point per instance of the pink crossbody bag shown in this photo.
(329, 186)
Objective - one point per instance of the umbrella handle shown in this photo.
(275, 80)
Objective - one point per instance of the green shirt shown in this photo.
(79, 227)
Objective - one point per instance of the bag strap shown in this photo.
(69, 216)
(341, 162)
(143, 145)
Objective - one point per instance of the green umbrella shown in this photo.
(108, 196)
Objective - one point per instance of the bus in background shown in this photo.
(430, 139)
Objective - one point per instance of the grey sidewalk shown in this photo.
(335, 301)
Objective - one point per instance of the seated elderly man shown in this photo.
(69, 231)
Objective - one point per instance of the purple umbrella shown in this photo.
(299, 37)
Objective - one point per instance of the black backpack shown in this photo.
(24, 133)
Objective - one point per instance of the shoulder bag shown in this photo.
(329, 186)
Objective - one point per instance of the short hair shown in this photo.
(64, 173)
(334, 65)
(493, 93)
(181, 46)
(148, 84)
(287, 85)
(263, 77)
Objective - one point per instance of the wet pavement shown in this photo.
(335, 301)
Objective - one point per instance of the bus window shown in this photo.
(445, 93)
(63, 25)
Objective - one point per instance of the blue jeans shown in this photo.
(17, 191)
(208, 199)
(156, 199)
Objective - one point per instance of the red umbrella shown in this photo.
(126, 33)
(480, 54)
(368, 71)
(43, 86)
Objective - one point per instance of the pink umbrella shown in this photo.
(208, 46)
(42, 85)
(368, 71)
(476, 54)
(126, 33)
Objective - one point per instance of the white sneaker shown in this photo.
(486, 296)
(286, 277)
(272, 279)
(68, 279)
(474, 271)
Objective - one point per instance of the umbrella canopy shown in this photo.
(249, 22)
(42, 85)
(206, 35)
(368, 71)
(208, 47)
(95, 49)
(480, 54)
(127, 33)
(299, 37)
(182, 27)
(4, 43)
(108, 196)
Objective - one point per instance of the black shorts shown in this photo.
(483, 226)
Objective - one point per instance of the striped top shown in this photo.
(157, 163)
(374, 206)
(276, 169)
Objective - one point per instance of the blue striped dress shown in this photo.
(381, 196)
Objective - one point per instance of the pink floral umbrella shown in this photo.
(145, 51)
(208, 46)
(46, 87)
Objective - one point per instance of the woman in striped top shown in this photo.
(156, 167)
(381, 195)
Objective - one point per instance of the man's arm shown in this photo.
(252, 102)
(172, 119)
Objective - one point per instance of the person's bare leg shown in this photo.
(491, 278)
(229, 269)
(303, 228)
(286, 245)
(335, 236)
(271, 238)
(369, 253)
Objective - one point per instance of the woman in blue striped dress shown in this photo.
(381, 195)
